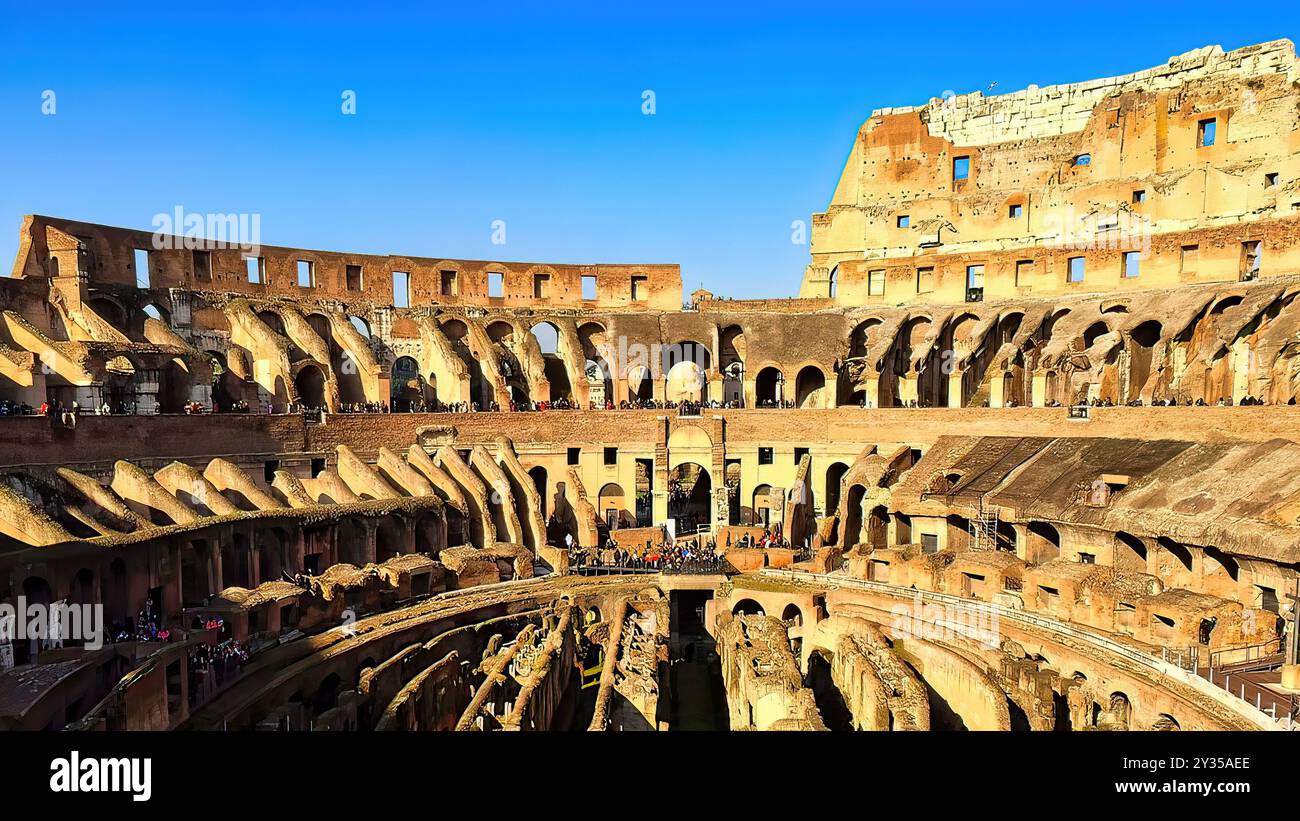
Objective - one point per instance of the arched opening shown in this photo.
(37, 591)
(320, 324)
(810, 387)
(687, 350)
(352, 543)
(768, 387)
(273, 320)
(600, 382)
(116, 598)
(273, 549)
(834, 478)
(690, 493)
(174, 386)
(792, 615)
(406, 388)
(82, 589)
(853, 517)
(234, 562)
(227, 388)
(110, 311)
(731, 476)
(538, 475)
(388, 540)
(1142, 355)
(731, 361)
(1094, 332)
(685, 383)
(761, 505)
(195, 578)
(1173, 562)
(640, 388)
(1166, 723)
(1219, 573)
(554, 368)
(1120, 712)
(327, 695)
(1043, 544)
(747, 607)
(1130, 552)
(906, 362)
(310, 383)
(878, 528)
(613, 509)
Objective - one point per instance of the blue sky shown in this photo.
(527, 113)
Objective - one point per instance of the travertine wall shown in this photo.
(1027, 206)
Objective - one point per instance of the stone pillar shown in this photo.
(871, 390)
(255, 566)
(1022, 541)
(659, 492)
(907, 387)
(996, 397)
(715, 388)
(1038, 395)
(955, 380)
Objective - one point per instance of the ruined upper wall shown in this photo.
(1033, 113)
(1028, 204)
(106, 255)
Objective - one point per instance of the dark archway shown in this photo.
(310, 383)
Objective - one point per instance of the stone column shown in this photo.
(1038, 396)
(955, 380)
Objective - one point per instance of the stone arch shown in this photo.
(852, 533)
(110, 310)
(553, 365)
(810, 387)
(640, 386)
(732, 350)
(174, 381)
(768, 386)
(1130, 552)
(878, 527)
(747, 607)
(612, 508)
(1094, 332)
(1043, 543)
(761, 505)
(389, 539)
(82, 588)
(310, 385)
(835, 473)
(353, 540)
(792, 615)
(592, 337)
(685, 382)
(690, 497)
(407, 386)
(538, 474)
(227, 388)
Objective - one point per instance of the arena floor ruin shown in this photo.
(975, 476)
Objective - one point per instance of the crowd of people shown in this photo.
(665, 555)
(768, 538)
(68, 415)
(145, 627)
(212, 665)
